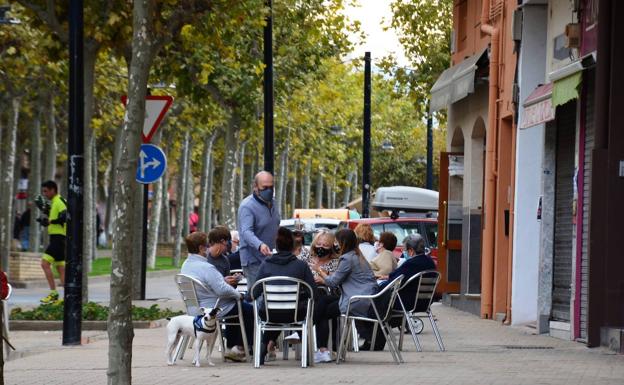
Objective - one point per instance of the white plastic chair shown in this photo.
(381, 319)
(278, 294)
(426, 282)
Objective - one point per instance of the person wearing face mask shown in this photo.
(200, 247)
(384, 262)
(221, 261)
(258, 222)
(416, 260)
(234, 253)
(322, 253)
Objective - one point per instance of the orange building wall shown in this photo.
(469, 40)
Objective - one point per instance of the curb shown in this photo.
(42, 283)
(22, 325)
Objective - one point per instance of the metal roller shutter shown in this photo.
(564, 190)
(589, 146)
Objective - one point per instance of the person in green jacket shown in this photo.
(54, 254)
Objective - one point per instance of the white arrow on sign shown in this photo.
(144, 165)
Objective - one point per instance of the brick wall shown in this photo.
(25, 266)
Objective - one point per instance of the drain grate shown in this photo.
(527, 347)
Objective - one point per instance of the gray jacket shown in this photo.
(354, 277)
(257, 224)
(197, 267)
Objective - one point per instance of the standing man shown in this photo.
(57, 230)
(258, 222)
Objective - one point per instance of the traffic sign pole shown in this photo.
(144, 246)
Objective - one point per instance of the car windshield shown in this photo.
(401, 230)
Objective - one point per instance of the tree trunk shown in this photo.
(34, 183)
(154, 220)
(8, 176)
(355, 184)
(49, 170)
(203, 188)
(293, 191)
(181, 201)
(228, 209)
(118, 147)
(306, 190)
(240, 193)
(319, 190)
(346, 198)
(189, 198)
(89, 231)
(209, 189)
(120, 327)
(164, 230)
(281, 178)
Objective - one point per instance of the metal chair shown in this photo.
(426, 283)
(278, 294)
(187, 286)
(381, 319)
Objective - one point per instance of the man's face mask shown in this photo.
(266, 194)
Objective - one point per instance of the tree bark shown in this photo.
(281, 179)
(319, 190)
(306, 190)
(189, 198)
(8, 176)
(154, 220)
(240, 193)
(228, 209)
(120, 327)
(203, 188)
(181, 201)
(293, 191)
(346, 198)
(209, 195)
(118, 148)
(51, 148)
(34, 182)
(164, 230)
(89, 231)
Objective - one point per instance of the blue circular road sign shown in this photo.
(152, 164)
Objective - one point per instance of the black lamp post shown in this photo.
(268, 90)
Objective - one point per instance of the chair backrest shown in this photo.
(187, 286)
(383, 302)
(242, 284)
(283, 294)
(426, 283)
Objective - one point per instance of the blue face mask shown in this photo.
(406, 255)
(266, 194)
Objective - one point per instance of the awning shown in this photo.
(455, 83)
(538, 107)
(566, 89)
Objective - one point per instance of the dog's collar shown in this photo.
(198, 325)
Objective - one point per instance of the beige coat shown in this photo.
(384, 263)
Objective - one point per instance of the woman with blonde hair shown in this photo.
(322, 253)
(354, 277)
(366, 239)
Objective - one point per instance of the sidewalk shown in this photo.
(478, 352)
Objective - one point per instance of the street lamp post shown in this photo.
(366, 164)
(75, 165)
(429, 184)
(268, 90)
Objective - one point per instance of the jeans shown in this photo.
(251, 272)
(233, 332)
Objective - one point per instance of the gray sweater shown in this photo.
(197, 267)
(257, 224)
(354, 277)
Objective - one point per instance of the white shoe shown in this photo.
(320, 357)
(293, 338)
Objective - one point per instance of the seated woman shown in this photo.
(366, 239)
(283, 263)
(385, 262)
(322, 253)
(354, 277)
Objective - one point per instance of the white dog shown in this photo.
(202, 328)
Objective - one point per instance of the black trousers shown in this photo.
(232, 332)
(326, 310)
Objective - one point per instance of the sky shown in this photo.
(373, 15)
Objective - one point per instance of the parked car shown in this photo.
(402, 227)
(311, 226)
